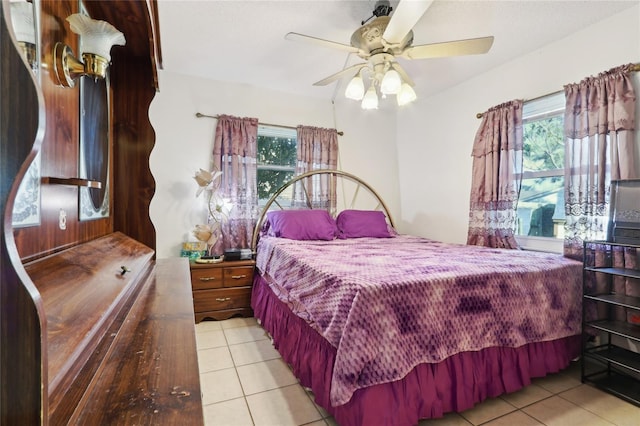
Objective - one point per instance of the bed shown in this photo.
(387, 329)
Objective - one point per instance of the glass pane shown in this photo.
(94, 147)
(269, 181)
(543, 144)
(276, 151)
(276, 162)
(541, 207)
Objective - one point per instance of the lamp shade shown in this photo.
(406, 95)
(205, 178)
(97, 37)
(370, 100)
(391, 83)
(355, 88)
(206, 233)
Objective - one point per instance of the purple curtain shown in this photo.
(599, 146)
(234, 153)
(497, 174)
(317, 149)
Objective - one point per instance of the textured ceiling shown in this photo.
(243, 41)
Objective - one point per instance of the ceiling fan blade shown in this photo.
(403, 19)
(320, 42)
(472, 46)
(403, 74)
(352, 69)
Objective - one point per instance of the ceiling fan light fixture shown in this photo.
(370, 100)
(380, 40)
(355, 88)
(391, 83)
(406, 95)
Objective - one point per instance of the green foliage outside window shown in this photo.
(276, 163)
(276, 151)
(544, 144)
(540, 205)
(270, 180)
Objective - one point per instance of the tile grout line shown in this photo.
(494, 418)
(504, 415)
(585, 408)
(235, 367)
(322, 418)
(521, 409)
(244, 396)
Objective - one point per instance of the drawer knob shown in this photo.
(222, 299)
(238, 277)
(207, 278)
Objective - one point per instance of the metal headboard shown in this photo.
(336, 173)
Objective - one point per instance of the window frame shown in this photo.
(275, 132)
(547, 106)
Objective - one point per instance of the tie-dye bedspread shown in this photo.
(389, 304)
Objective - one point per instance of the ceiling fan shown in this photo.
(379, 41)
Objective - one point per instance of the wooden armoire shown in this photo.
(93, 329)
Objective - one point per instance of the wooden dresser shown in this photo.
(222, 290)
(93, 330)
(120, 340)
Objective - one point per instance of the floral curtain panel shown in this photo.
(234, 153)
(497, 174)
(599, 146)
(317, 149)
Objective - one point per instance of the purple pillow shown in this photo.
(362, 223)
(302, 225)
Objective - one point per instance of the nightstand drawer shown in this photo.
(238, 276)
(206, 278)
(222, 290)
(211, 300)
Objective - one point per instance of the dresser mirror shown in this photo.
(25, 23)
(26, 209)
(94, 142)
(94, 147)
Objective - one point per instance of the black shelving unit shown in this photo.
(608, 364)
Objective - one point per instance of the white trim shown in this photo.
(277, 132)
(543, 173)
(277, 167)
(546, 244)
(544, 107)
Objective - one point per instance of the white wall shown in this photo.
(435, 136)
(418, 159)
(184, 143)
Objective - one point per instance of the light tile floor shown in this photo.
(245, 382)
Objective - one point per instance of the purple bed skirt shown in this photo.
(428, 391)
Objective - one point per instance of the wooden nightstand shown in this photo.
(222, 290)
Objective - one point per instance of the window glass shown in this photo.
(276, 161)
(541, 201)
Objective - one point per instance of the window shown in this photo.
(276, 161)
(541, 204)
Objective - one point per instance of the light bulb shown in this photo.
(370, 100)
(406, 95)
(355, 88)
(391, 83)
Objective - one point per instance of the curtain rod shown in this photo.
(633, 68)
(200, 115)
